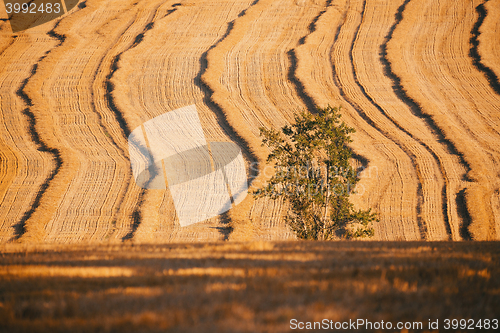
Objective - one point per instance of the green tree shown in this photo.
(312, 173)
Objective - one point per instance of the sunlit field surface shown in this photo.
(85, 246)
(418, 80)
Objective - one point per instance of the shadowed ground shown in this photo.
(244, 287)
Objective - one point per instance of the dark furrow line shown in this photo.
(216, 108)
(136, 215)
(292, 70)
(110, 87)
(417, 110)
(20, 226)
(299, 86)
(242, 13)
(464, 214)
(363, 159)
(413, 105)
(312, 25)
(105, 129)
(492, 80)
(474, 52)
(222, 121)
(421, 225)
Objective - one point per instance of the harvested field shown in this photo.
(103, 111)
(245, 287)
(418, 80)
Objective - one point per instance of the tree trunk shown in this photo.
(325, 216)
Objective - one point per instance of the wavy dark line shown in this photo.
(20, 226)
(136, 215)
(474, 52)
(421, 225)
(244, 11)
(417, 110)
(119, 116)
(215, 107)
(493, 81)
(292, 70)
(110, 87)
(299, 86)
(413, 105)
(464, 215)
(312, 25)
(221, 119)
(105, 129)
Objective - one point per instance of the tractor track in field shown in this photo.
(292, 71)
(435, 70)
(371, 122)
(136, 214)
(215, 107)
(474, 52)
(20, 226)
(417, 111)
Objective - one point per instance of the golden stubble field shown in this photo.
(418, 80)
(83, 248)
(245, 287)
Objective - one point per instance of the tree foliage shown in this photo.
(312, 173)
